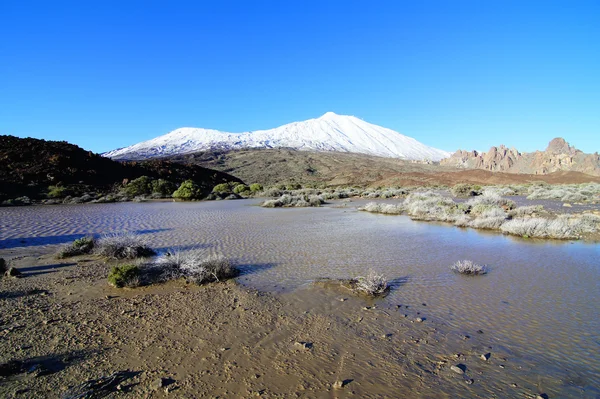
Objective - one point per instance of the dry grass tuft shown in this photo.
(123, 246)
(468, 267)
(373, 284)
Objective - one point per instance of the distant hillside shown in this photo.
(558, 157)
(29, 166)
(328, 133)
(275, 166)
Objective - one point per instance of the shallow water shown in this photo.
(539, 300)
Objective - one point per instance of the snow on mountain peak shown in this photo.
(330, 132)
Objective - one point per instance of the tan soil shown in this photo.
(274, 166)
(224, 340)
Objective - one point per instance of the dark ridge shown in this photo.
(28, 166)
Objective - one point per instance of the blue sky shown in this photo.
(452, 74)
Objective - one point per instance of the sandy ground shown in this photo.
(61, 325)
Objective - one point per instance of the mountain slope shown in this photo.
(29, 166)
(559, 156)
(330, 132)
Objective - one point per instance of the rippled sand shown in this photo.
(539, 302)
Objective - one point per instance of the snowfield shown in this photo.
(330, 132)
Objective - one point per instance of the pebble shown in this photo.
(303, 345)
(160, 383)
(469, 381)
(420, 319)
(485, 356)
(338, 384)
(459, 368)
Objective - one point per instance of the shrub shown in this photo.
(195, 266)
(432, 206)
(240, 188)
(81, 246)
(124, 276)
(502, 191)
(468, 267)
(188, 190)
(389, 209)
(526, 210)
(255, 187)
(123, 246)
(3, 267)
(140, 186)
(373, 284)
(288, 200)
(541, 228)
(223, 188)
(57, 191)
(464, 190)
(163, 187)
(486, 201)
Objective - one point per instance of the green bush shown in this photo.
(81, 246)
(124, 276)
(140, 186)
(255, 187)
(293, 186)
(188, 191)
(163, 187)
(240, 188)
(57, 191)
(223, 188)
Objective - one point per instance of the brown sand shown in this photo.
(224, 340)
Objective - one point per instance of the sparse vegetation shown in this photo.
(81, 246)
(124, 276)
(469, 268)
(3, 267)
(372, 284)
(588, 193)
(123, 246)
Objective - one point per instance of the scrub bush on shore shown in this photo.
(124, 276)
(388, 209)
(81, 246)
(195, 266)
(287, 200)
(123, 246)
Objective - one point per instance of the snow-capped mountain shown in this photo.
(330, 132)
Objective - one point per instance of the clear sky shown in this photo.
(452, 74)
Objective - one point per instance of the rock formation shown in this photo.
(559, 156)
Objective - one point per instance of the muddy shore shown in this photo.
(61, 325)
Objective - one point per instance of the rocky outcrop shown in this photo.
(558, 156)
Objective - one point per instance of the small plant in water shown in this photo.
(468, 267)
(373, 284)
(124, 276)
